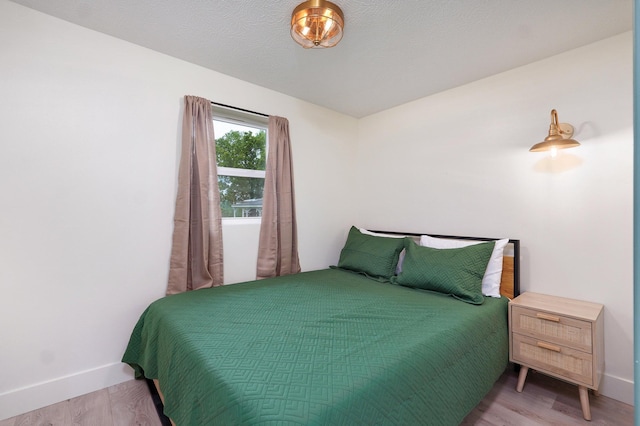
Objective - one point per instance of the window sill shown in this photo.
(233, 221)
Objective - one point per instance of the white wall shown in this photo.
(458, 163)
(88, 166)
(88, 163)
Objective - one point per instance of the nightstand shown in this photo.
(560, 337)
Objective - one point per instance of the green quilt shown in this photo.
(325, 347)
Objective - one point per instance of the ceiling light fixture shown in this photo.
(560, 135)
(317, 23)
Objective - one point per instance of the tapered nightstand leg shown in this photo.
(522, 377)
(584, 402)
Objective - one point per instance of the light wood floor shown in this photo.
(128, 403)
(544, 401)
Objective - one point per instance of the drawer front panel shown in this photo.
(552, 328)
(553, 359)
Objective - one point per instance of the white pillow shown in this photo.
(377, 234)
(493, 274)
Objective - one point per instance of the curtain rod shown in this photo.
(239, 109)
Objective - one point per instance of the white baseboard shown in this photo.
(29, 398)
(617, 388)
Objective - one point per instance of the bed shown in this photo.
(329, 347)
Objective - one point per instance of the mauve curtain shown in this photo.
(196, 254)
(278, 246)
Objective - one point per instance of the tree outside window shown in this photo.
(241, 153)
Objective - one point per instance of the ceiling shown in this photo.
(392, 52)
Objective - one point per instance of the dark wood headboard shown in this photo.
(510, 282)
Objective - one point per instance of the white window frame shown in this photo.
(234, 116)
(232, 171)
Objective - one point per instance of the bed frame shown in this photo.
(509, 287)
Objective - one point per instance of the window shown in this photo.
(241, 151)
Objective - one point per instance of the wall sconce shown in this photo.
(560, 135)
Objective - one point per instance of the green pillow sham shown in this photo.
(370, 255)
(457, 272)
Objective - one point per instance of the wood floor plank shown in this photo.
(54, 415)
(131, 404)
(498, 414)
(92, 409)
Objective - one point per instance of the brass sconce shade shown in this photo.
(317, 24)
(560, 135)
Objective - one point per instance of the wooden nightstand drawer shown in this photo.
(553, 328)
(562, 361)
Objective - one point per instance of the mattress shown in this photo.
(325, 347)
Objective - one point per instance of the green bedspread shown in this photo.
(320, 348)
